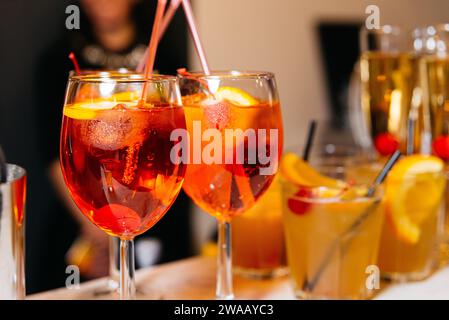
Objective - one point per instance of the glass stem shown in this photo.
(224, 262)
(127, 286)
(113, 266)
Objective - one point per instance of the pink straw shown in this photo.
(154, 42)
(174, 4)
(195, 35)
(75, 63)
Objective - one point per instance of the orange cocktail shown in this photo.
(116, 154)
(332, 233)
(413, 219)
(261, 225)
(235, 131)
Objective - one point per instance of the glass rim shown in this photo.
(13, 174)
(414, 175)
(425, 28)
(338, 197)
(229, 74)
(120, 77)
(387, 29)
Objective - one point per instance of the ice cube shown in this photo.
(115, 129)
(217, 114)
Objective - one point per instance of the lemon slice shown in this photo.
(296, 170)
(413, 193)
(236, 96)
(86, 111)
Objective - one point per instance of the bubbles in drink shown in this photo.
(217, 114)
(114, 129)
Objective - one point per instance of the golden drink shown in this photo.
(388, 81)
(434, 73)
(329, 257)
(258, 237)
(413, 196)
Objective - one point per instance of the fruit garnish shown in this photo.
(298, 206)
(386, 144)
(86, 111)
(236, 96)
(354, 192)
(129, 96)
(296, 170)
(441, 147)
(412, 194)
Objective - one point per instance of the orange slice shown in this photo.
(296, 170)
(413, 192)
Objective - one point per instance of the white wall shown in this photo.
(279, 36)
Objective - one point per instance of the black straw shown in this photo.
(411, 136)
(310, 285)
(383, 173)
(2, 166)
(309, 141)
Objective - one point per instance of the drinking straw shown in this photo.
(153, 43)
(309, 141)
(2, 166)
(411, 136)
(413, 116)
(310, 285)
(75, 63)
(171, 10)
(195, 35)
(383, 173)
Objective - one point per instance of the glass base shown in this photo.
(302, 295)
(401, 277)
(443, 259)
(111, 288)
(261, 274)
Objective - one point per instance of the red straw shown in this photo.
(195, 35)
(75, 63)
(154, 42)
(174, 4)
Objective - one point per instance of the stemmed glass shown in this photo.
(388, 75)
(431, 44)
(235, 131)
(116, 155)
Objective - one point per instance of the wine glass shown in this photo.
(235, 131)
(116, 155)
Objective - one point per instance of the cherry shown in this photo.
(118, 219)
(441, 147)
(386, 144)
(298, 206)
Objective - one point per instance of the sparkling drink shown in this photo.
(227, 190)
(117, 164)
(388, 81)
(235, 131)
(116, 154)
(434, 75)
